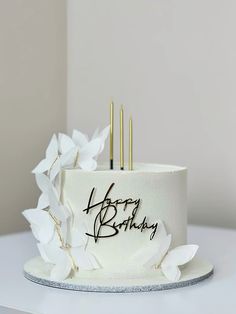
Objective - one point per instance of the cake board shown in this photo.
(197, 270)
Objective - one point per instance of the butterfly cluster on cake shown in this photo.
(94, 221)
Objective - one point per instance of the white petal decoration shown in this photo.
(65, 229)
(65, 143)
(43, 166)
(84, 259)
(57, 183)
(181, 255)
(59, 258)
(55, 169)
(160, 256)
(177, 257)
(63, 152)
(156, 249)
(78, 236)
(43, 253)
(35, 231)
(90, 150)
(62, 268)
(143, 255)
(79, 139)
(87, 153)
(103, 136)
(50, 252)
(88, 165)
(161, 230)
(52, 149)
(105, 132)
(41, 224)
(82, 140)
(55, 242)
(55, 206)
(43, 201)
(162, 249)
(171, 272)
(51, 156)
(95, 134)
(43, 182)
(68, 159)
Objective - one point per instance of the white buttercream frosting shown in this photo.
(162, 193)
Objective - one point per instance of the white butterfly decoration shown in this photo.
(63, 242)
(102, 135)
(51, 163)
(70, 259)
(165, 259)
(79, 151)
(66, 152)
(42, 222)
(44, 185)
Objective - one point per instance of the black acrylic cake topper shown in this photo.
(105, 225)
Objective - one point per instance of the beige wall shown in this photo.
(32, 97)
(173, 64)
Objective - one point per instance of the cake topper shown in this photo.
(107, 220)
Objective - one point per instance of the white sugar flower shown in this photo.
(164, 258)
(51, 162)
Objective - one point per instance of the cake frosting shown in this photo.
(94, 222)
(133, 202)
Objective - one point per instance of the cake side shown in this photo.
(122, 211)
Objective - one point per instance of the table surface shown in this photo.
(210, 296)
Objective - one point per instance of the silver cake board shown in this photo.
(197, 270)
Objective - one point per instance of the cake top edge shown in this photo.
(139, 167)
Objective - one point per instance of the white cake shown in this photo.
(93, 224)
(159, 193)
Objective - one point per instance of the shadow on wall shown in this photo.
(32, 98)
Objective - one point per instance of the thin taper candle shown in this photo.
(111, 135)
(122, 138)
(131, 144)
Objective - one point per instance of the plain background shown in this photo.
(171, 62)
(32, 98)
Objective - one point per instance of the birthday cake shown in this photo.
(99, 221)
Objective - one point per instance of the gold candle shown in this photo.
(111, 135)
(122, 138)
(130, 144)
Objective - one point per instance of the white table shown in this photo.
(214, 295)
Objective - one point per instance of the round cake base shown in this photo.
(197, 270)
